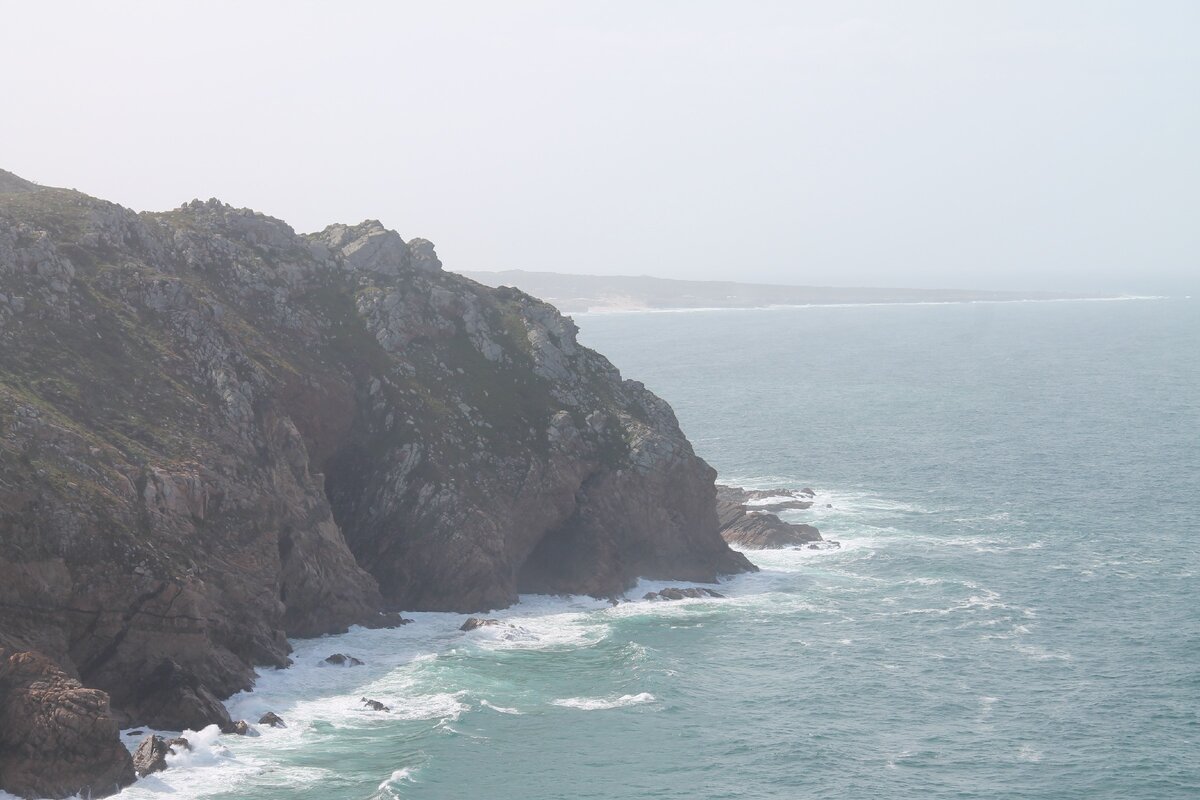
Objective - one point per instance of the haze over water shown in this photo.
(1019, 145)
(1011, 614)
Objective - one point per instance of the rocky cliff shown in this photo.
(216, 433)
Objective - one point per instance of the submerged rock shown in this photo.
(341, 659)
(476, 622)
(827, 544)
(675, 593)
(385, 620)
(375, 705)
(272, 719)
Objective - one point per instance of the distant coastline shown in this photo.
(616, 293)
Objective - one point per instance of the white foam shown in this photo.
(782, 497)
(204, 749)
(398, 776)
(389, 787)
(540, 623)
(826, 503)
(603, 703)
(207, 767)
(500, 709)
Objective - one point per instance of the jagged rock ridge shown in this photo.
(215, 433)
(755, 527)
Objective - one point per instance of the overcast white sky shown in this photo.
(1007, 145)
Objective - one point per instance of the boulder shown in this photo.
(151, 753)
(240, 728)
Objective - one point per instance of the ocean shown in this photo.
(1012, 612)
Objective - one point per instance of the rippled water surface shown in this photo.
(1013, 613)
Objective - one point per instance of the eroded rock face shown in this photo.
(535, 468)
(755, 526)
(216, 433)
(57, 738)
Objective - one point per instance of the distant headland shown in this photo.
(580, 293)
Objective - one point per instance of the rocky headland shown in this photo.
(216, 433)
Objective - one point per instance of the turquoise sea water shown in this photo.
(1013, 613)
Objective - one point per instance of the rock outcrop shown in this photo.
(216, 433)
(755, 527)
(688, 593)
(57, 738)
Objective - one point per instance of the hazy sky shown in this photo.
(1002, 145)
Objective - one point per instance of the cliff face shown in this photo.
(215, 433)
(507, 457)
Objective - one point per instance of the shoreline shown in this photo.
(535, 621)
(309, 693)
